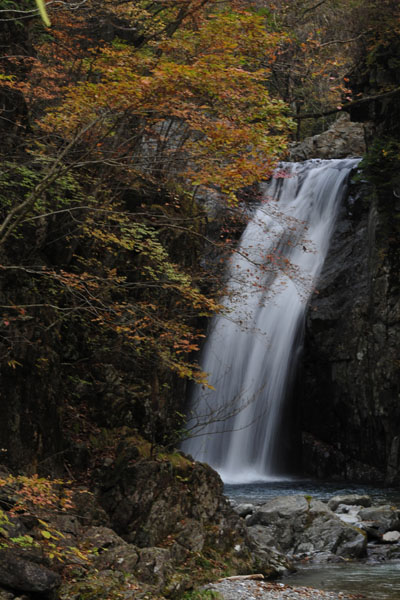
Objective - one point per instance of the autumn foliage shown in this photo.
(132, 118)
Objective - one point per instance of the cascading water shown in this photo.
(250, 353)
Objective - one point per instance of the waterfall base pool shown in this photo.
(374, 580)
(259, 492)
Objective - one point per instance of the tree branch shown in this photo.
(310, 8)
(16, 215)
(345, 107)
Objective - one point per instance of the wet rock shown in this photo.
(391, 537)
(382, 552)
(24, 575)
(244, 509)
(350, 499)
(378, 520)
(350, 385)
(302, 525)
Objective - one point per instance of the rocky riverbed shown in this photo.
(348, 532)
(262, 590)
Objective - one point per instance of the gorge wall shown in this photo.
(348, 402)
(349, 393)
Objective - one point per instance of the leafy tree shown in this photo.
(104, 199)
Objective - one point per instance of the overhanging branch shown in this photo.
(345, 107)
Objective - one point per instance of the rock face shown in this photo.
(172, 512)
(344, 138)
(301, 525)
(350, 386)
(147, 501)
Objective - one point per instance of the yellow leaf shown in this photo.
(45, 534)
(43, 12)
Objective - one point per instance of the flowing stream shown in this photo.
(251, 352)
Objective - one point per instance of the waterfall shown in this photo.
(251, 350)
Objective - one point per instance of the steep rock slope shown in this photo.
(350, 412)
(349, 406)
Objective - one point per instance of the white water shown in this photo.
(251, 353)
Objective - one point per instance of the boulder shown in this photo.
(172, 512)
(344, 138)
(377, 520)
(268, 560)
(146, 501)
(18, 573)
(244, 509)
(154, 503)
(299, 525)
(349, 499)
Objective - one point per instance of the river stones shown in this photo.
(300, 525)
(229, 589)
(244, 509)
(349, 500)
(377, 520)
(391, 537)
